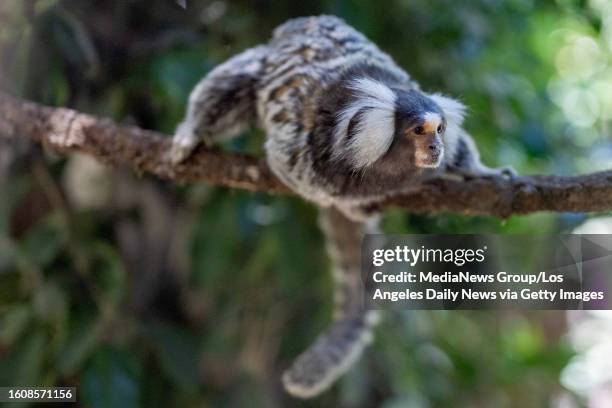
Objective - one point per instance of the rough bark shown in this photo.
(65, 130)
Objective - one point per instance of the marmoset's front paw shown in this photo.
(508, 172)
(454, 173)
(463, 174)
(183, 143)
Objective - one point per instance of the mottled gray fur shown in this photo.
(345, 127)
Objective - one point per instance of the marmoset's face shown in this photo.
(392, 131)
(420, 126)
(426, 137)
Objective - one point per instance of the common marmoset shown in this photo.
(345, 126)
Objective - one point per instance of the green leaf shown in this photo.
(12, 192)
(42, 6)
(10, 286)
(108, 271)
(178, 353)
(214, 259)
(42, 244)
(7, 253)
(50, 303)
(111, 379)
(81, 342)
(22, 365)
(13, 322)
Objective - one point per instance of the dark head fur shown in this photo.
(371, 123)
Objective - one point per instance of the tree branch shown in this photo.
(66, 131)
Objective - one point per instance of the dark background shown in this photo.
(142, 293)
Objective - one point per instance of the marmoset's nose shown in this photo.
(433, 147)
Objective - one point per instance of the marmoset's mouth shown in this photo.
(430, 159)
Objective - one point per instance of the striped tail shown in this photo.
(336, 350)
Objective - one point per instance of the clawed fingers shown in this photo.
(460, 174)
(178, 153)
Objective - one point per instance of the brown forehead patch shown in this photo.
(430, 126)
(431, 121)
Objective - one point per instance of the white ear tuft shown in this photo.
(452, 108)
(375, 124)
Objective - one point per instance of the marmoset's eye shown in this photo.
(419, 130)
(440, 128)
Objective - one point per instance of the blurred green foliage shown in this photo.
(142, 293)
